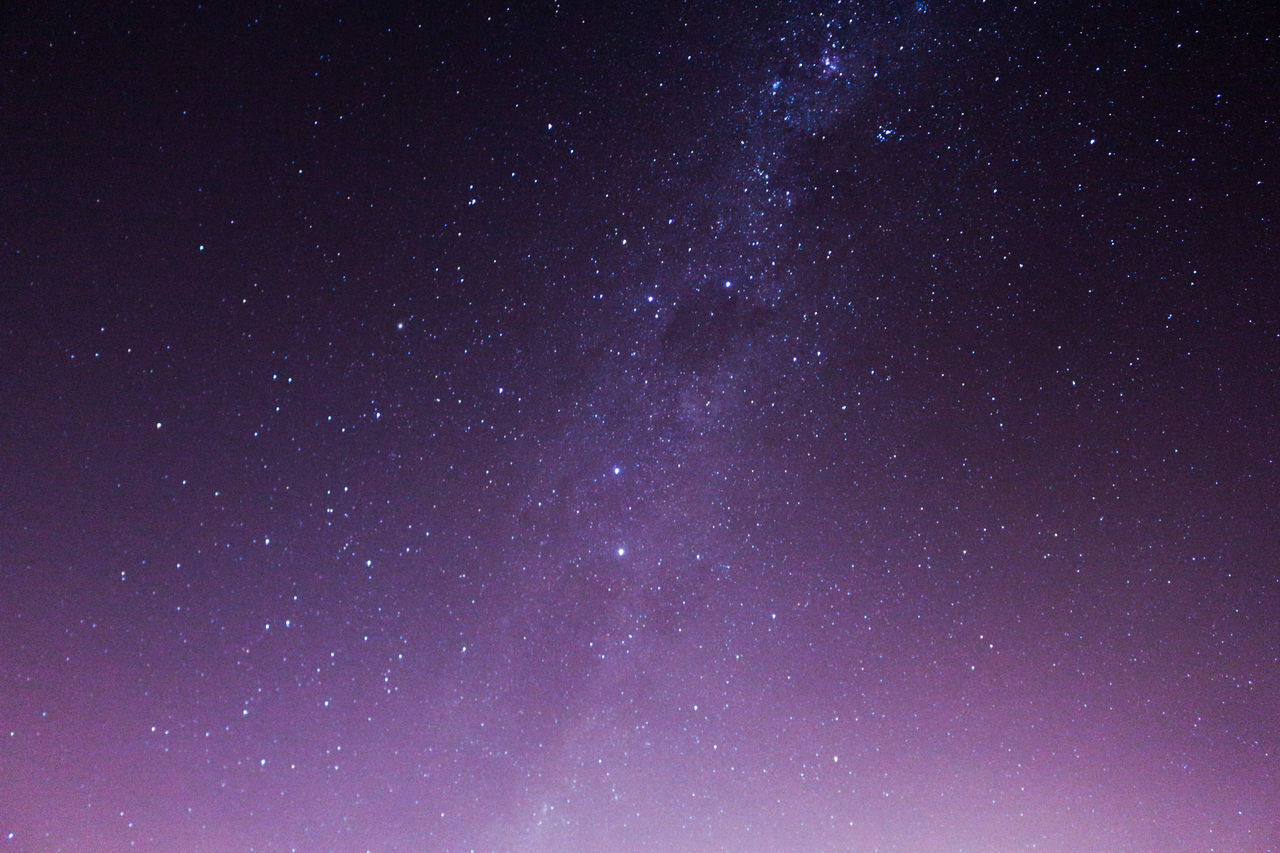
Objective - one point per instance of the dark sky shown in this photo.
(806, 426)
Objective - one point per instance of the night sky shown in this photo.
(806, 426)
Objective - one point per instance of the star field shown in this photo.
(803, 426)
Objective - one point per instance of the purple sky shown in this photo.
(633, 427)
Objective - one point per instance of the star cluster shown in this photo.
(803, 426)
